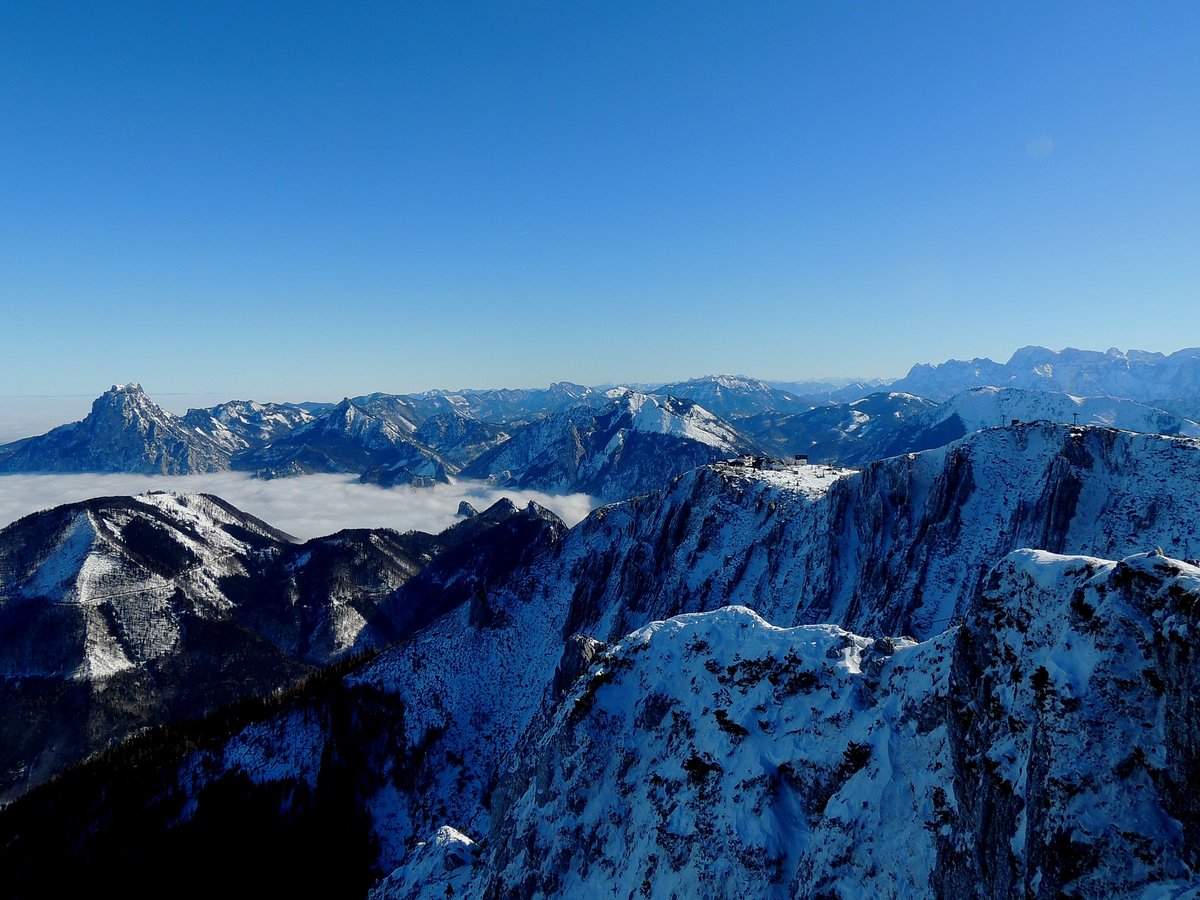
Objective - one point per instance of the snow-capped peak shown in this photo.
(656, 414)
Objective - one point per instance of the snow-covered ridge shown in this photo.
(248, 422)
(900, 546)
(130, 568)
(631, 445)
(666, 415)
(717, 749)
(989, 407)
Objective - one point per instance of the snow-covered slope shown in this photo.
(349, 438)
(240, 424)
(1046, 746)
(400, 411)
(148, 559)
(988, 407)
(122, 611)
(134, 611)
(635, 443)
(125, 432)
(1135, 375)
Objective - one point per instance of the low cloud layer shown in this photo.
(305, 507)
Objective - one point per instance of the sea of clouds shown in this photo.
(305, 507)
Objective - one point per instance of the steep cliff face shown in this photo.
(1037, 749)
(900, 547)
(1074, 730)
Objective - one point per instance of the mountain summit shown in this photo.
(126, 431)
(733, 396)
(634, 444)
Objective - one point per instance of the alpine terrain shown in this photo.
(931, 640)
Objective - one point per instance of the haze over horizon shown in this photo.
(253, 200)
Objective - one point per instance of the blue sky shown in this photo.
(310, 200)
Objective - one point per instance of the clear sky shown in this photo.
(308, 200)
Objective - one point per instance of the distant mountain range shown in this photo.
(842, 433)
(734, 396)
(617, 442)
(1136, 375)
(888, 424)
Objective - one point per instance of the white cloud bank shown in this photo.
(305, 507)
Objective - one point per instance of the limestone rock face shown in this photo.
(1041, 747)
(125, 432)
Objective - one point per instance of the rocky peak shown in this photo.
(128, 399)
(124, 432)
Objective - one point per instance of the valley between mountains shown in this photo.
(928, 638)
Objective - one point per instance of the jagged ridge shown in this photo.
(1045, 746)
